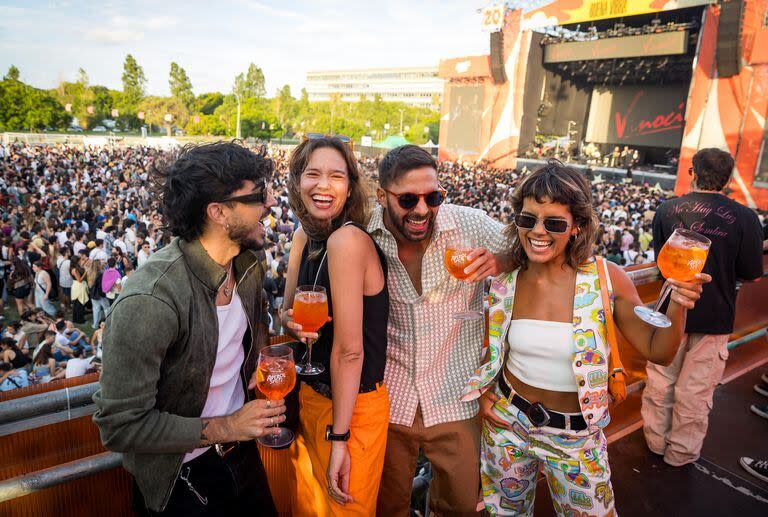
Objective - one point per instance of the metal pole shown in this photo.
(46, 403)
(401, 121)
(237, 130)
(53, 476)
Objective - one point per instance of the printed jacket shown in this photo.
(589, 354)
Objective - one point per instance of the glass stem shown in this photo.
(310, 342)
(665, 290)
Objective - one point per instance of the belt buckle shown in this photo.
(222, 449)
(538, 414)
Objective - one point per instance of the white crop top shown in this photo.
(541, 353)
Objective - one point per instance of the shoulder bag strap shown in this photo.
(610, 326)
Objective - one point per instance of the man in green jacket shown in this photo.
(181, 342)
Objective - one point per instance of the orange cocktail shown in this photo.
(681, 263)
(456, 261)
(275, 378)
(310, 310)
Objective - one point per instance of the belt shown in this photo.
(325, 390)
(547, 417)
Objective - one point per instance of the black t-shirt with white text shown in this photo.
(735, 254)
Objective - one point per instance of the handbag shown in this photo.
(617, 378)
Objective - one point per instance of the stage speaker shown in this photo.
(728, 53)
(498, 73)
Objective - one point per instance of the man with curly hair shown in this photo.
(181, 342)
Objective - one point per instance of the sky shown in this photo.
(215, 40)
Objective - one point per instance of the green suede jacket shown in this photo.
(160, 343)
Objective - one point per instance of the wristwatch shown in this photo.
(330, 437)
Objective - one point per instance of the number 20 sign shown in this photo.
(493, 18)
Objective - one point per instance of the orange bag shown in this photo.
(617, 378)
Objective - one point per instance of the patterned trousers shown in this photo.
(575, 463)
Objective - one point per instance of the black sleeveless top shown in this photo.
(375, 318)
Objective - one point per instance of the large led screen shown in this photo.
(650, 116)
(464, 122)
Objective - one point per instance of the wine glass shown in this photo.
(682, 257)
(456, 261)
(275, 378)
(310, 310)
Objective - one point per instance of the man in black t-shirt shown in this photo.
(678, 397)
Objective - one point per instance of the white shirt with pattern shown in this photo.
(430, 355)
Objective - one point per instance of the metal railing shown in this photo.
(46, 478)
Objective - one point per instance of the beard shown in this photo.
(399, 223)
(242, 235)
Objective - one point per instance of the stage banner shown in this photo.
(650, 116)
(548, 13)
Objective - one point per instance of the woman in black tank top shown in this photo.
(332, 249)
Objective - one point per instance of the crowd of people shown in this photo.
(175, 241)
(76, 223)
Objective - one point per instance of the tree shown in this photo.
(250, 84)
(25, 107)
(134, 82)
(181, 86)
(13, 74)
(206, 103)
(82, 78)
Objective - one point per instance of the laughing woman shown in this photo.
(543, 392)
(345, 410)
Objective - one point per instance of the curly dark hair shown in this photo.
(402, 159)
(560, 184)
(202, 174)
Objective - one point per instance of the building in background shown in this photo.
(413, 86)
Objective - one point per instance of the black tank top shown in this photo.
(375, 317)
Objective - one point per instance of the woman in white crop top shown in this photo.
(544, 387)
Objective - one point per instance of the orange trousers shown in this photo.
(367, 445)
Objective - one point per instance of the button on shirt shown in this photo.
(430, 355)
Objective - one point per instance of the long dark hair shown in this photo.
(356, 206)
(560, 184)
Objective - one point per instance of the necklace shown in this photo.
(225, 285)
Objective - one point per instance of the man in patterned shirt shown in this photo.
(430, 355)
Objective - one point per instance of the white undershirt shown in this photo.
(541, 353)
(225, 393)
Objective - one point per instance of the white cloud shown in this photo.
(268, 9)
(114, 36)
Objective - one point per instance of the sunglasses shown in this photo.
(318, 136)
(408, 200)
(551, 224)
(257, 197)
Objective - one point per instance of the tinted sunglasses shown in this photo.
(551, 224)
(258, 196)
(318, 136)
(408, 200)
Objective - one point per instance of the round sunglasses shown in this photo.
(409, 200)
(551, 224)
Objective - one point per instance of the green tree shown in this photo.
(206, 103)
(134, 82)
(23, 107)
(181, 86)
(13, 74)
(155, 109)
(250, 84)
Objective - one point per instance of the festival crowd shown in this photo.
(177, 241)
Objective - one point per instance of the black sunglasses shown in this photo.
(258, 196)
(318, 136)
(408, 200)
(551, 224)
